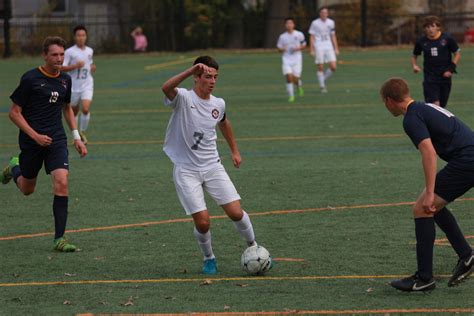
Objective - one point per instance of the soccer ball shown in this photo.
(256, 260)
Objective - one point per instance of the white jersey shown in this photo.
(191, 136)
(322, 32)
(81, 78)
(288, 42)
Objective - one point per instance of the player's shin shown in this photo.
(85, 118)
(60, 205)
(327, 73)
(245, 228)
(425, 237)
(447, 222)
(205, 244)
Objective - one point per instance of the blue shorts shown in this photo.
(53, 157)
(453, 181)
(437, 91)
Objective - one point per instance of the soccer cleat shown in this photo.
(210, 266)
(291, 99)
(413, 284)
(6, 174)
(61, 244)
(300, 91)
(324, 90)
(462, 270)
(83, 137)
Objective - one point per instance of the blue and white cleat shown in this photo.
(210, 266)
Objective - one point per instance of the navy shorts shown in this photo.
(453, 181)
(437, 91)
(53, 157)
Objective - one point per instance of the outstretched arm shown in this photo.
(71, 122)
(226, 129)
(169, 87)
(429, 162)
(19, 120)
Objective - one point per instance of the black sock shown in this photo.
(16, 172)
(446, 221)
(60, 215)
(425, 237)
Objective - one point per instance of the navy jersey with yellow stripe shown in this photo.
(436, 55)
(452, 139)
(41, 97)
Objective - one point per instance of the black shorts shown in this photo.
(437, 91)
(54, 157)
(453, 181)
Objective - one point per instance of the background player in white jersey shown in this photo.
(323, 45)
(291, 43)
(78, 63)
(190, 143)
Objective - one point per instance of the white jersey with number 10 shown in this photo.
(322, 32)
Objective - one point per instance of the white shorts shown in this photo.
(292, 68)
(190, 186)
(324, 56)
(77, 97)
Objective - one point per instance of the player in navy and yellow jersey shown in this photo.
(435, 132)
(40, 100)
(439, 65)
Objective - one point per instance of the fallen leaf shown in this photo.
(206, 282)
(129, 302)
(369, 290)
(170, 298)
(242, 285)
(16, 275)
(185, 270)
(16, 299)
(226, 307)
(66, 302)
(69, 274)
(103, 303)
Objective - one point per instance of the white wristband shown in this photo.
(75, 134)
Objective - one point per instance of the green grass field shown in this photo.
(328, 182)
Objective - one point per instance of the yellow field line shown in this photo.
(170, 63)
(312, 312)
(189, 219)
(223, 279)
(244, 139)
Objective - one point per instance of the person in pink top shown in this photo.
(141, 42)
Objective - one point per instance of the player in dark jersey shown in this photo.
(435, 131)
(438, 64)
(43, 95)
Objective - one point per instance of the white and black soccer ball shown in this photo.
(256, 260)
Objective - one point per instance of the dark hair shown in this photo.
(78, 28)
(430, 20)
(53, 40)
(289, 18)
(323, 8)
(208, 61)
(395, 88)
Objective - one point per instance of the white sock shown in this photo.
(327, 73)
(321, 79)
(289, 89)
(245, 228)
(300, 83)
(204, 242)
(85, 121)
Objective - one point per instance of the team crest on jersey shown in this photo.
(64, 83)
(443, 42)
(215, 113)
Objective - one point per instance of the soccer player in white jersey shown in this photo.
(291, 43)
(79, 64)
(190, 143)
(323, 45)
